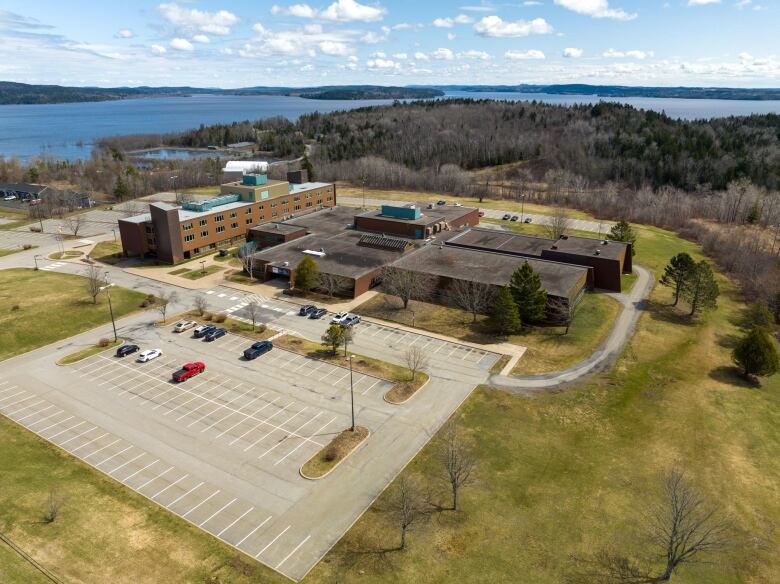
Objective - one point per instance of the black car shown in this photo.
(125, 350)
(306, 309)
(215, 334)
(203, 330)
(257, 349)
(506, 217)
(318, 313)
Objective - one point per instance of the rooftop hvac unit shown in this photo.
(597, 252)
(311, 252)
(604, 241)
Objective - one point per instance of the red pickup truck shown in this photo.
(189, 370)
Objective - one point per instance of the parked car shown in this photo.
(215, 334)
(506, 217)
(183, 325)
(350, 320)
(188, 370)
(318, 313)
(148, 355)
(9, 198)
(257, 349)
(457, 205)
(515, 218)
(203, 330)
(337, 318)
(125, 350)
(528, 220)
(306, 309)
(442, 202)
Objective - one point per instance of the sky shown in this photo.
(234, 43)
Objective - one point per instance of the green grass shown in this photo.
(179, 271)
(67, 254)
(107, 252)
(82, 354)
(566, 474)
(51, 307)
(15, 568)
(7, 252)
(533, 229)
(199, 273)
(627, 282)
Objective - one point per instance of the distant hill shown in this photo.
(22, 93)
(624, 91)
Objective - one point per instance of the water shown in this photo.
(178, 154)
(69, 130)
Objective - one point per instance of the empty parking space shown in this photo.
(16, 238)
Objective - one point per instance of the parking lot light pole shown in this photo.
(203, 267)
(522, 206)
(107, 289)
(351, 392)
(35, 257)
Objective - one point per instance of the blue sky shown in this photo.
(232, 43)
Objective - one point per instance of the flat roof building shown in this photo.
(414, 221)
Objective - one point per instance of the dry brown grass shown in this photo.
(334, 452)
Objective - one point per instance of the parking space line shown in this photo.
(467, 354)
(371, 387)
(142, 469)
(78, 435)
(63, 431)
(342, 378)
(275, 428)
(203, 397)
(298, 429)
(113, 456)
(12, 396)
(35, 412)
(32, 405)
(245, 418)
(155, 478)
(217, 512)
(232, 523)
(175, 387)
(24, 399)
(225, 405)
(102, 448)
(243, 539)
(266, 420)
(90, 442)
(270, 543)
(124, 464)
(222, 419)
(180, 497)
(201, 503)
(58, 412)
(302, 443)
(295, 549)
(176, 482)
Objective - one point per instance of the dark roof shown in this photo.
(428, 216)
(328, 221)
(277, 227)
(558, 279)
(343, 256)
(507, 242)
(384, 242)
(23, 188)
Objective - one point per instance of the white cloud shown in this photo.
(572, 53)
(378, 55)
(383, 65)
(182, 45)
(351, 11)
(421, 56)
(443, 54)
(125, 33)
(201, 38)
(702, 2)
(372, 38)
(190, 19)
(451, 36)
(450, 22)
(400, 56)
(334, 48)
(494, 26)
(473, 54)
(599, 9)
(313, 29)
(524, 55)
(633, 54)
(158, 49)
(299, 10)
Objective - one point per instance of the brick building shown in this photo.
(415, 223)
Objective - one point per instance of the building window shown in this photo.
(330, 198)
(189, 237)
(297, 207)
(219, 218)
(308, 203)
(273, 204)
(308, 195)
(186, 227)
(260, 207)
(203, 222)
(220, 228)
(285, 201)
(234, 225)
(274, 213)
(286, 210)
(204, 233)
(233, 215)
(248, 210)
(296, 198)
(319, 201)
(249, 221)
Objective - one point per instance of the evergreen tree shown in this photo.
(307, 276)
(308, 166)
(758, 314)
(504, 317)
(526, 288)
(677, 273)
(756, 354)
(622, 231)
(121, 190)
(701, 291)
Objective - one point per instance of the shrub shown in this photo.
(35, 229)
(220, 317)
(151, 299)
(331, 454)
(207, 316)
(103, 342)
(15, 307)
(27, 246)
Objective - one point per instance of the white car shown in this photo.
(9, 198)
(339, 317)
(148, 355)
(184, 325)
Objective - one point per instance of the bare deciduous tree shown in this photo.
(201, 305)
(474, 297)
(457, 460)
(253, 310)
(558, 223)
(416, 359)
(246, 254)
(163, 301)
(408, 507)
(333, 284)
(561, 312)
(407, 285)
(74, 223)
(94, 281)
(53, 505)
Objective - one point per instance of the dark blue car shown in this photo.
(257, 349)
(215, 334)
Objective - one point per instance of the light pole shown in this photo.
(412, 311)
(114, 232)
(351, 392)
(107, 289)
(203, 267)
(522, 206)
(175, 190)
(35, 257)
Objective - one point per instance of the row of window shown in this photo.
(248, 211)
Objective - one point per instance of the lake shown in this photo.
(69, 130)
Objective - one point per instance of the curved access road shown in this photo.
(633, 304)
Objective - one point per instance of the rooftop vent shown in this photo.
(597, 252)
(312, 252)
(564, 237)
(383, 242)
(554, 247)
(604, 241)
(285, 264)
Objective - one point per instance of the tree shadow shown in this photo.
(667, 313)
(732, 376)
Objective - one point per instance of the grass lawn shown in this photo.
(565, 474)
(334, 452)
(88, 352)
(51, 307)
(533, 229)
(108, 252)
(7, 252)
(415, 196)
(67, 254)
(198, 273)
